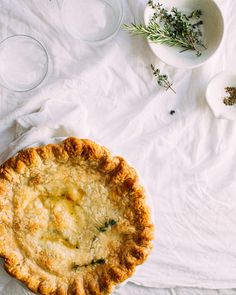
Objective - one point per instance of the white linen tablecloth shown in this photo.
(186, 161)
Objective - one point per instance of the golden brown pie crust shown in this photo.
(73, 219)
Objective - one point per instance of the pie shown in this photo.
(73, 219)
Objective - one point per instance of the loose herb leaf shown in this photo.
(99, 261)
(173, 28)
(108, 224)
(94, 262)
(162, 80)
(195, 14)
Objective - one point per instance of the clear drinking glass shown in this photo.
(23, 63)
(93, 21)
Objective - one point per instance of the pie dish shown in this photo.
(73, 219)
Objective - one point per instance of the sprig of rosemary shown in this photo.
(173, 28)
(107, 225)
(162, 80)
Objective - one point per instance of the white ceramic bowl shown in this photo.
(213, 33)
(216, 92)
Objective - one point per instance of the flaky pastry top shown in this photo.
(73, 219)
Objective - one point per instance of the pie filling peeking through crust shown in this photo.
(73, 219)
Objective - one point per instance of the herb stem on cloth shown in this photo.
(172, 28)
(162, 80)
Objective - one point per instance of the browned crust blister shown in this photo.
(123, 181)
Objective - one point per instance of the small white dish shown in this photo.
(92, 21)
(213, 24)
(215, 94)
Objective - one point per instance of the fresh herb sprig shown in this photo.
(162, 80)
(108, 224)
(92, 263)
(173, 28)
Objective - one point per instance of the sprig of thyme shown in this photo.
(92, 263)
(173, 28)
(162, 80)
(107, 225)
